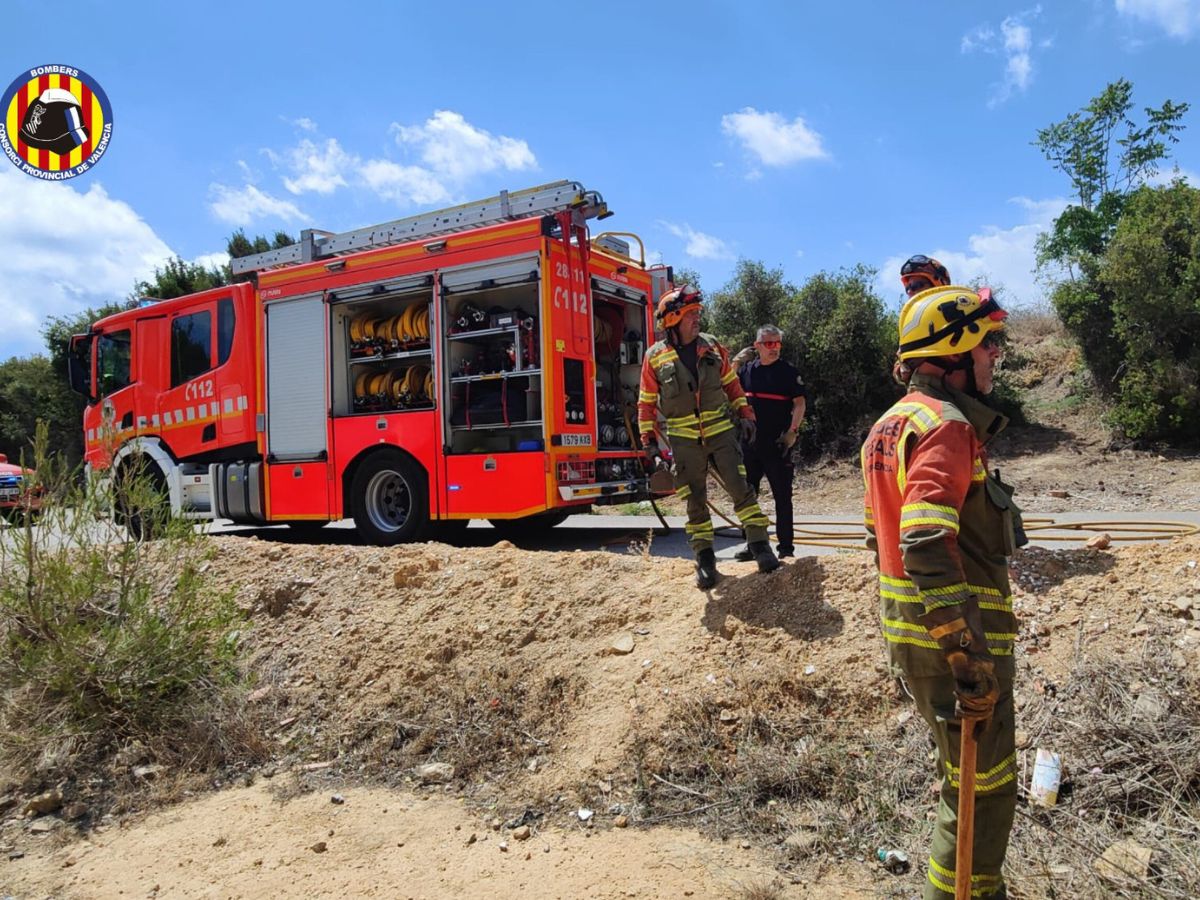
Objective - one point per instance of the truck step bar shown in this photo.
(558, 196)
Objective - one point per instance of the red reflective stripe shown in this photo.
(767, 396)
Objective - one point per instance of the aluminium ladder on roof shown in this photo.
(558, 196)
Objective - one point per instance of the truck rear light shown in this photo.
(576, 470)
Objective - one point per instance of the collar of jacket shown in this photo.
(986, 421)
(702, 345)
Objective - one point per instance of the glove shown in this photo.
(785, 442)
(743, 357)
(654, 456)
(747, 430)
(959, 632)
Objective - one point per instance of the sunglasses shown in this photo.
(917, 285)
(770, 345)
(915, 264)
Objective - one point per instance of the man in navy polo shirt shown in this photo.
(776, 391)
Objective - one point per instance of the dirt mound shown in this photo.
(551, 684)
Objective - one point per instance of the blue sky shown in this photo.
(807, 136)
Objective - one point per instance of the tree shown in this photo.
(1150, 274)
(28, 392)
(843, 343)
(1105, 154)
(754, 296)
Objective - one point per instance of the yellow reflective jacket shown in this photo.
(694, 409)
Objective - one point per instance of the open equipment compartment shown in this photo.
(382, 342)
(493, 357)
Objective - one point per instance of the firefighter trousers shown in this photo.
(691, 483)
(780, 472)
(995, 789)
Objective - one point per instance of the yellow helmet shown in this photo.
(945, 320)
(674, 303)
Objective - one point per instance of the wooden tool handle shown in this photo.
(965, 840)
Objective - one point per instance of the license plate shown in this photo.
(9, 493)
(577, 440)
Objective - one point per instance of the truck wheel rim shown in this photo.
(388, 501)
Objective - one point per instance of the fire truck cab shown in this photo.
(476, 362)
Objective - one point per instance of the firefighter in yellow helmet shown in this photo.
(687, 376)
(942, 529)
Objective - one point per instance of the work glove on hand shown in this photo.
(747, 430)
(654, 455)
(958, 630)
(743, 357)
(785, 442)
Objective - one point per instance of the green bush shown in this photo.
(843, 343)
(1150, 273)
(105, 638)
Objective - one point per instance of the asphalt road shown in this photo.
(828, 534)
(815, 535)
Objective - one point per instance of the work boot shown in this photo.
(786, 551)
(744, 555)
(706, 569)
(763, 555)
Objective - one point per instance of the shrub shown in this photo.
(107, 639)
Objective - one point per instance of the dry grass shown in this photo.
(1129, 737)
(828, 776)
(485, 725)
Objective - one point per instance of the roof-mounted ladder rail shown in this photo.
(547, 199)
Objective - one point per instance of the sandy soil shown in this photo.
(339, 634)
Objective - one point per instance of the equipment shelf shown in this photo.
(483, 332)
(493, 376)
(387, 357)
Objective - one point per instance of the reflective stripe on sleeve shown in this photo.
(913, 515)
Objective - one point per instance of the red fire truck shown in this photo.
(475, 362)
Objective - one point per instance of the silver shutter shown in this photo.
(296, 406)
(504, 271)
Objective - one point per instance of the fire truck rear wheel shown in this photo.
(390, 494)
(142, 503)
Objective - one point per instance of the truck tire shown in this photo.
(530, 525)
(141, 502)
(390, 497)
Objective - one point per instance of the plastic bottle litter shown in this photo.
(895, 861)
(1047, 772)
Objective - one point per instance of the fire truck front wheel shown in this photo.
(390, 494)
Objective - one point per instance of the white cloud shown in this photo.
(65, 250)
(981, 37)
(242, 206)
(699, 245)
(455, 150)
(1178, 18)
(449, 152)
(772, 139)
(1002, 256)
(1166, 176)
(212, 260)
(1015, 41)
(318, 168)
(404, 184)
